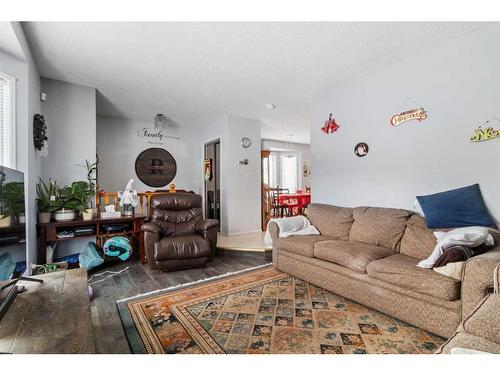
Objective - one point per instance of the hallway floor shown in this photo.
(244, 242)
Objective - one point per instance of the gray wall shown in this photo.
(27, 160)
(458, 84)
(118, 147)
(70, 114)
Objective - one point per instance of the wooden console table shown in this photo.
(47, 233)
(53, 317)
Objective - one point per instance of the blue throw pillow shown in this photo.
(462, 207)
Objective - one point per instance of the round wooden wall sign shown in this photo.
(155, 167)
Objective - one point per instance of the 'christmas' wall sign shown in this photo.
(413, 114)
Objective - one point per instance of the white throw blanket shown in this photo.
(291, 226)
(469, 236)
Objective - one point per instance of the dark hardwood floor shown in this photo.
(138, 279)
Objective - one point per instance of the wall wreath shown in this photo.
(40, 135)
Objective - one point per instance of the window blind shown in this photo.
(7, 126)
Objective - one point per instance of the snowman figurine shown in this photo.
(128, 199)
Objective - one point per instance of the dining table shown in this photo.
(296, 202)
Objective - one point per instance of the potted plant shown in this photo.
(11, 202)
(71, 200)
(45, 199)
(91, 170)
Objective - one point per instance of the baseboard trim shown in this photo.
(242, 233)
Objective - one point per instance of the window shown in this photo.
(289, 172)
(283, 170)
(7, 121)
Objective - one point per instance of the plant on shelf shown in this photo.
(72, 199)
(46, 199)
(11, 203)
(91, 169)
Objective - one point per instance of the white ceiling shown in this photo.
(8, 41)
(198, 70)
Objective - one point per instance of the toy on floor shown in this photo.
(118, 247)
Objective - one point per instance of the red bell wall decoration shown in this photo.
(330, 125)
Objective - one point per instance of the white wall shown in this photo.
(304, 156)
(242, 182)
(118, 146)
(458, 84)
(70, 115)
(239, 184)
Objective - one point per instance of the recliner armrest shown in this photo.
(208, 229)
(152, 227)
(207, 224)
(477, 278)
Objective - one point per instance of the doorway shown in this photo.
(212, 180)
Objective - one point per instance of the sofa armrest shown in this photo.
(477, 279)
(496, 279)
(274, 232)
(208, 229)
(152, 227)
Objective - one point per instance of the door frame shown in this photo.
(203, 186)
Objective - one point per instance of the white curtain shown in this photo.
(283, 170)
(289, 172)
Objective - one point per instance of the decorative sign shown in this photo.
(361, 149)
(330, 125)
(155, 167)
(414, 114)
(481, 135)
(208, 169)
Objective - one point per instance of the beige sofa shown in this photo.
(481, 330)
(369, 255)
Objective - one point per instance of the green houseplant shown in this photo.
(11, 203)
(72, 199)
(45, 199)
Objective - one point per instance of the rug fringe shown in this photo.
(193, 282)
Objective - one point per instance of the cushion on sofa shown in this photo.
(353, 255)
(463, 207)
(331, 220)
(402, 270)
(485, 320)
(301, 245)
(418, 241)
(379, 226)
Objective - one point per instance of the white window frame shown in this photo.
(12, 83)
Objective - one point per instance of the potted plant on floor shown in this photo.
(11, 203)
(45, 200)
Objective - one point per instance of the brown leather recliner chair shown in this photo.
(177, 236)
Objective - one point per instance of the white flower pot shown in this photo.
(88, 214)
(5, 221)
(64, 215)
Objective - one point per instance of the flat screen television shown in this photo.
(12, 215)
(12, 233)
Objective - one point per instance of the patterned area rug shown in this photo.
(264, 311)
